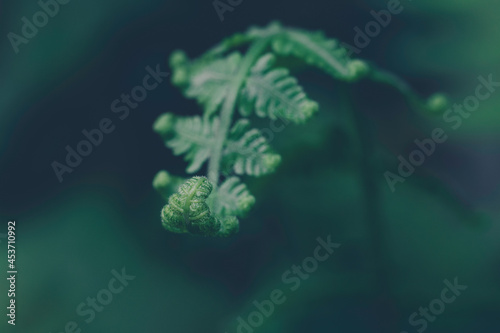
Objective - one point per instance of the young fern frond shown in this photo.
(232, 198)
(327, 54)
(248, 152)
(318, 51)
(250, 83)
(166, 184)
(192, 136)
(206, 80)
(187, 211)
(313, 48)
(274, 93)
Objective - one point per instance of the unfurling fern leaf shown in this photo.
(206, 80)
(319, 51)
(314, 48)
(274, 93)
(233, 198)
(188, 212)
(192, 136)
(248, 152)
(223, 82)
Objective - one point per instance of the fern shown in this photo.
(224, 80)
(233, 198)
(166, 184)
(274, 93)
(205, 80)
(192, 136)
(248, 152)
(187, 211)
(316, 50)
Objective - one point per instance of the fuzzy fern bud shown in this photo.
(358, 69)
(164, 124)
(166, 184)
(437, 103)
(179, 63)
(187, 211)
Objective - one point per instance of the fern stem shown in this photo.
(226, 114)
(374, 215)
(383, 76)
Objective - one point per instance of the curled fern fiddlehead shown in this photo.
(187, 211)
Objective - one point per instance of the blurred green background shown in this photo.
(397, 248)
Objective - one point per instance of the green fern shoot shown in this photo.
(231, 88)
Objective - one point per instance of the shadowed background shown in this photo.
(105, 214)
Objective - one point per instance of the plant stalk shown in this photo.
(226, 114)
(374, 216)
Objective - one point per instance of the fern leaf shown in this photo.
(232, 198)
(229, 225)
(236, 40)
(167, 184)
(187, 210)
(274, 93)
(206, 80)
(192, 136)
(248, 152)
(314, 48)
